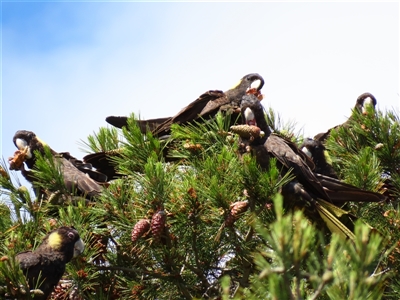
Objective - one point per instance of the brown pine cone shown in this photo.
(18, 159)
(234, 214)
(158, 224)
(247, 131)
(140, 228)
(255, 92)
(3, 173)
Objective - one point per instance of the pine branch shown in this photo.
(106, 139)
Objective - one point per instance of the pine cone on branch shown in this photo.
(247, 131)
(140, 228)
(158, 224)
(237, 209)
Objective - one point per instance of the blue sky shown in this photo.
(66, 66)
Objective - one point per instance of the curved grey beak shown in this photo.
(79, 247)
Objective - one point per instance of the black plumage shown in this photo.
(144, 125)
(336, 219)
(74, 179)
(321, 192)
(44, 266)
(329, 179)
(86, 168)
(104, 163)
(205, 106)
(363, 101)
(285, 151)
(291, 157)
(317, 152)
(340, 192)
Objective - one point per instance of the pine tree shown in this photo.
(192, 219)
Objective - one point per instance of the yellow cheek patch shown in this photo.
(236, 85)
(41, 141)
(327, 157)
(55, 240)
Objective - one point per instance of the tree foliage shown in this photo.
(192, 219)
